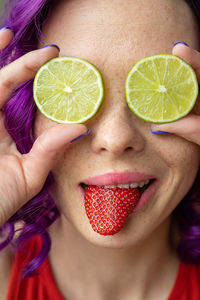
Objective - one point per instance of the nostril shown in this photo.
(129, 148)
(103, 149)
(115, 150)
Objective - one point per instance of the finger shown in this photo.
(187, 127)
(22, 70)
(189, 55)
(41, 158)
(6, 36)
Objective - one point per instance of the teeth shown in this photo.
(110, 186)
(134, 185)
(126, 186)
(123, 186)
(107, 186)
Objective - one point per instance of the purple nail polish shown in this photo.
(180, 42)
(82, 135)
(159, 132)
(52, 45)
(6, 27)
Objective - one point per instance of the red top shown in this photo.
(43, 286)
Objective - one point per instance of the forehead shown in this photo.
(118, 29)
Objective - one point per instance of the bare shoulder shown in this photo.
(6, 261)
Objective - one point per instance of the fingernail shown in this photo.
(52, 45)
(159, 132)
(6, 27)
(180, 42)
(82, 135)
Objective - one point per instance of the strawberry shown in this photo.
(108, 209)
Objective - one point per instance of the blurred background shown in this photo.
(2, 2)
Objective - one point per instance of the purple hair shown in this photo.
(41, 211)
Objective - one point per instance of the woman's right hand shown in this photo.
(23, 176)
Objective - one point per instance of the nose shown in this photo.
(116, 134)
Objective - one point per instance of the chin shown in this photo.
(122, 240)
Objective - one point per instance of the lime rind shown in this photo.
(90, 98)
(151, 80)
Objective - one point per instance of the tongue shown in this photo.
(108, 209)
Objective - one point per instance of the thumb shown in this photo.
(39, 161)
(187, 127)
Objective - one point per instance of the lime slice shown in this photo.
(161, 88)
(68, 90)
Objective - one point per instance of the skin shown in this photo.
(97, 266)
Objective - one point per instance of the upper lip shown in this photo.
(117, 178)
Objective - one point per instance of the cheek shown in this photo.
(66, 173)
(181, 158)
(182, 154)
(70, 164)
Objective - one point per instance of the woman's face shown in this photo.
(114, 35)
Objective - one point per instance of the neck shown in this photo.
(98, 272)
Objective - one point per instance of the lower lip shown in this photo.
(143, 200)
(146, 196)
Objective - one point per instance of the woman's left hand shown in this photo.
(189, 126)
